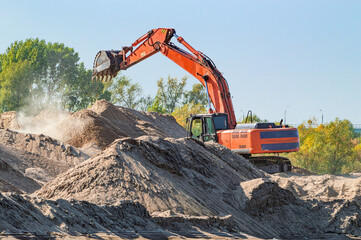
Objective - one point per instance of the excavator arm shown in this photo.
(107, 64)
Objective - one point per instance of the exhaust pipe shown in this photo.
(106, 65)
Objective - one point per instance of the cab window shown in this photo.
(209, 126)
(220, 122)
(196, 128)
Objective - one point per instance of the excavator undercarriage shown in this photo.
(271, 164)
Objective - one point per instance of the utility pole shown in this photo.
(321, 116)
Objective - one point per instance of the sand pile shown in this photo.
(12, 180)
(24, 214)
(31, 217)
(161, 173)
(103, 123)
(184, 177)
(321, 187)
(41, 147)
(334, 200)
(40, 158)
(98, 125)
(109, 169)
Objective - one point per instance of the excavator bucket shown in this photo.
(106, 65)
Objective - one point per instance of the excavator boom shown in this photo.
(107, 64)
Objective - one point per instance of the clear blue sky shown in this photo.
(298, 56)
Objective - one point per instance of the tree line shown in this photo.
(35, 74)
(332, 147)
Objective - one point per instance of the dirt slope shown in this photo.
(12, 180)
(98, 125)
(169, 183)
(151, 169)
(38, 215)
(35, 217)
(41, 157)
(335, 201)
(179, 175)
(38, 157)
(104, 122)
(321, 187)
(187, 177)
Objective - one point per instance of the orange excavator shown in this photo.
(220, 124)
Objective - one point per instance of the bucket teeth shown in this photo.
(106, 65)
(103, 78)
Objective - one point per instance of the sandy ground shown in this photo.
(109, 172)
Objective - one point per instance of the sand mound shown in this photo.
(23, 214)
(99, 125)
(184, 176)
(136, 173)
(178, 178)
(13, 180)
(33, 159)
(332, 202)
(321, 187)
(263, 195)
(104, 122)
(27, 217)
(163, 174)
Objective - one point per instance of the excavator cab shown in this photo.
(204, 127)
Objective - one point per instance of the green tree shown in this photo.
(61, 71)
(125, 93)
(83, 91)
(146, 103)
(11, 95)
(156, 106)
(181, 113)
(170, 94)
(53, 75)
(327, 148)
(197, 95)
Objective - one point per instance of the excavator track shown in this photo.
(271, 164)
